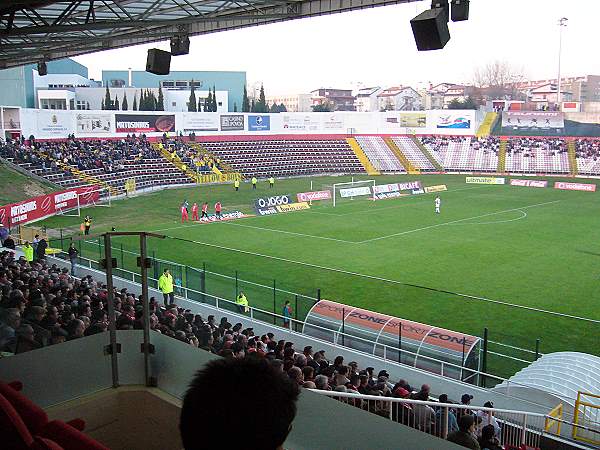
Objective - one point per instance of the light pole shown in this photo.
(561, 24)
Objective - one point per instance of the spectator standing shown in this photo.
(287, 314)
(254, 181)
(465, 400)
(242, 302)
(28, 252)
(165, 284)
(248, 386)
(9, 242)
(464, 435)
(73, 257)
(41, 249)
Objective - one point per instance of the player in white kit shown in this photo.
(438, 203)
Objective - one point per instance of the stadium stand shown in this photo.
(286, 157)
(463, 153)
(536, 155)
(380, 154)
(413, 153)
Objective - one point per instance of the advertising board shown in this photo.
(200, 122)
(301, 122)
(413, 120)
(575, 186)
(46, 205)
(333, 122)
(231, 215)
(232, 122)
(533, 120)
(312, 196)
(275, 200)
(436, 188)
(485, 180)
(259, 123)
(293, 207)
(355, 192)
(144, 123)
(529, 183)
(51, 123)
(395, 187)
(452, 120)
(93, 123)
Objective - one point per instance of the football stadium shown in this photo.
(395, 267)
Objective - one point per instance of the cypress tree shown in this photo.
(234, 107)
(107, 101)
(214, 99)
(135, 102)
(161, 101)
(124, 105)
(261, 106)
(245, 101)
(206, 103)
(116, 105)
(192, 101)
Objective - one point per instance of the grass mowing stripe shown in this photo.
(289, 232)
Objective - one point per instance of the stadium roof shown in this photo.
(42, 30)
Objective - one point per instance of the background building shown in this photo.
(292, 102)
(399, 98)
(231, 82)
(366, 99)
(19, 84)
(339, 99)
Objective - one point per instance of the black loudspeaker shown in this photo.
(180, 45)
(460, 10)
(42, 69)
(431, 29)
(158, 62)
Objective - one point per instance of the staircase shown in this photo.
(88, 179)
(410, 168)
(572, 158)
(360, 154)
(177, 162)
(486, 127)
(226, 173)
(428, 154)
(502, 156)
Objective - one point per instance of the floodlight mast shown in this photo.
(562, 23)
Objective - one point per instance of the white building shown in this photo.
(366, 99)
(292, 102)
(399, 98)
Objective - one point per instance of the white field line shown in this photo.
(402, 233)
(387, 280)
(494, 222)
(289, 232)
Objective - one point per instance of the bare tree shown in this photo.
(499, 79)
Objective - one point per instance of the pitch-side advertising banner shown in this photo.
(355, 192)
(485, 180)
(293, 207)
(46, 205)
(312, 196)
(529, 183)
(232, 215)
(575, 186)
(394, 187)
(436, 188)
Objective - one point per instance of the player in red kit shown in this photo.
(184, 214)
(204, 211)
(218, 210)
(195, 211)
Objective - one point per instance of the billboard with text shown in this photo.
(144, 123)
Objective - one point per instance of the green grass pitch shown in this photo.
(534, 247)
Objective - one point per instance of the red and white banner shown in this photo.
(395, 187)
(310, 196)
(47, 205)
(529, 183)
(575, 186)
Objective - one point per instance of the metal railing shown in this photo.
(511, 427)
(296, 327)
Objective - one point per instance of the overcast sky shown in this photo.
(376, 47)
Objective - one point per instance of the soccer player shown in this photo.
(438, 203)
(195, 211)
(184, 213)
(271, 182)
(218, 210)
(204, 211)
(254, 181)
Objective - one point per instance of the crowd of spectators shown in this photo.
(529, 147)
(587, 148)
(193, 157)
(43, 304)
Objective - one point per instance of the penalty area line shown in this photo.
(386, 280)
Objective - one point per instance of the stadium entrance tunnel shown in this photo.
(444, 352)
